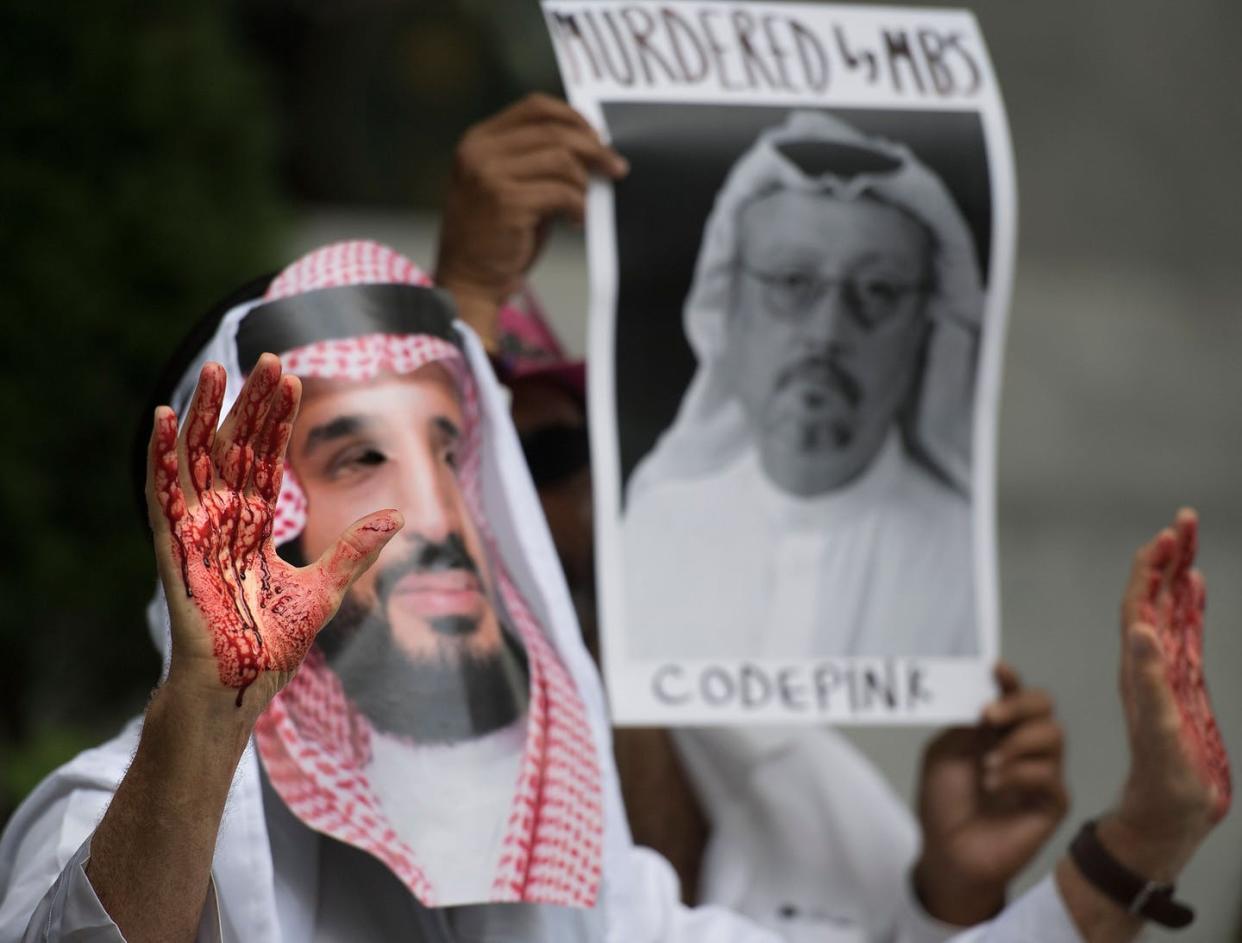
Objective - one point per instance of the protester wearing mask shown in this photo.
(110, 848)
(432, 749)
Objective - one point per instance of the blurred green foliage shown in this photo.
(44, 748)
(373, 94)
(137, 185)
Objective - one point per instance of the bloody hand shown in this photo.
(1179, 784)
(238, 612)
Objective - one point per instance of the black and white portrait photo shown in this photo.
(811, 496)
(798, 297)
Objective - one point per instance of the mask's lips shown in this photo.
(439, 592)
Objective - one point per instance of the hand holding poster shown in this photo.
(798, 298)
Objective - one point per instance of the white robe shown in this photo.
(807, 836)
(318, 896)
(728, 566)
(455, 823)
(273, 882)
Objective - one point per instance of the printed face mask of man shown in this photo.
(825, 332)
(417, 643)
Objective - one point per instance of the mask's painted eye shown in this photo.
(370, 457)
(356, 460)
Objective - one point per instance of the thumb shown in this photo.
(357, 548)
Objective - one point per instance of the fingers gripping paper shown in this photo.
(798, 297)
(433, 725)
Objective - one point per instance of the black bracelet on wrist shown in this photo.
(1139, 896)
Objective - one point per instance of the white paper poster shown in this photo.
(798, 303)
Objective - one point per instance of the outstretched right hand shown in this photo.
(1179, 784)
(241, 617)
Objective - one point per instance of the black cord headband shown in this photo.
(287, 323)
(347, 311)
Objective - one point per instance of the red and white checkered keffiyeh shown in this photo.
(315, 744)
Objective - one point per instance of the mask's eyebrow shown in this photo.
(449, 433)
(338, 428)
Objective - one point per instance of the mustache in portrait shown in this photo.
(826, 368)
(800, 392)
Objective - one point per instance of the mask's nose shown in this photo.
(428, 499)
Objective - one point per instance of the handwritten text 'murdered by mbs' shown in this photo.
(740, 50)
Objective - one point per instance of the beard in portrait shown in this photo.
(812, 496)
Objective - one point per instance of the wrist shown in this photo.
(1155, 853)
(206, 710)
(953, 898)
(478, 306)
(1104, 890)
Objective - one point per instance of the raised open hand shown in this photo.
(240, 615)
(1179, 783)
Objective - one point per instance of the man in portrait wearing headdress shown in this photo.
(812, 496)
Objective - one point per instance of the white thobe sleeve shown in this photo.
(649, 910)
(1038, 916)
(913, 924)
(47, 897)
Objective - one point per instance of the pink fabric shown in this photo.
(528, 347)
(357, 262)
(315, 745)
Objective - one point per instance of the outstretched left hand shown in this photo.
(240, 615)
(989, 797)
